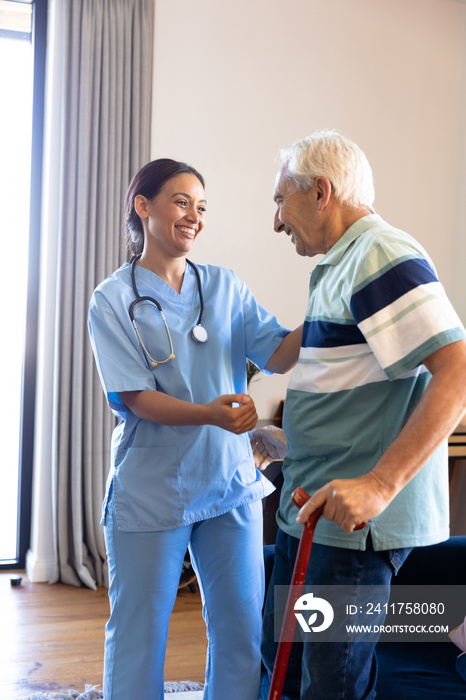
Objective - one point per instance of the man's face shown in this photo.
(298, 215)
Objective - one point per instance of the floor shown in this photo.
(52, 638)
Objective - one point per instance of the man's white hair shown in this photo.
(330, 154)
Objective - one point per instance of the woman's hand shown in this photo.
(237, 419)
(166, 410)
(268, 445)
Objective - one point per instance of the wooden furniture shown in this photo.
(457, 445)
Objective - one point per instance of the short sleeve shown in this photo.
(263, 332)
(120, 364)
(402, 310)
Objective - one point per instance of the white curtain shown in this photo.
(99, 78)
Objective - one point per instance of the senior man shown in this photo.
(380, 384)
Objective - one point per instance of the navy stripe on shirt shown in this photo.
(391, 286)
(325, 334)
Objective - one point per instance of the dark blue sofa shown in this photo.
(420, 671)
(425, 671)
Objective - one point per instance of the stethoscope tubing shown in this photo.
(154, 301)
(199, 334)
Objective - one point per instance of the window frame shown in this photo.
(28, 391)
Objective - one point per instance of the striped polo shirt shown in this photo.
(376, 311)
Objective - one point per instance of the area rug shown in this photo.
(189, 689)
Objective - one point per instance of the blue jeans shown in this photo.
(328, 670)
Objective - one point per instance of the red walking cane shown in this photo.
(299, 498)
(297, 582)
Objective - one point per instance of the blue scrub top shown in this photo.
(165, 477)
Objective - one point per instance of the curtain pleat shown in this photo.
(104, 89)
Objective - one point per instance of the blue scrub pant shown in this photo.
(144, 572)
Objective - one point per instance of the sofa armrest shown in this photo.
(438, 564)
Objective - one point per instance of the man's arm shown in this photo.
(349, 502)
(286, 355)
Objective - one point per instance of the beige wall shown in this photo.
(236, 79)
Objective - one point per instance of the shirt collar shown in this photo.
(338, 250)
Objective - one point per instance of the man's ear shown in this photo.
(140, 205)
(323, 188)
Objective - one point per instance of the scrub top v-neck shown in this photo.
(164, 477)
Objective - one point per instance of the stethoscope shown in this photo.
(198, 333)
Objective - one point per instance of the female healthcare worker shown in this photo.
(171, 340)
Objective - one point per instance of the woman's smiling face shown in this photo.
(175, 216)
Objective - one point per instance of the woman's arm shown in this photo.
(286, 355)
(166, 410)
(268, 444)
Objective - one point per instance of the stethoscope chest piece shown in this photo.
(199, 334)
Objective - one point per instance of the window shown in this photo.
(22, 66)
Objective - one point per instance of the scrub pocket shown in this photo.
(146, 487)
